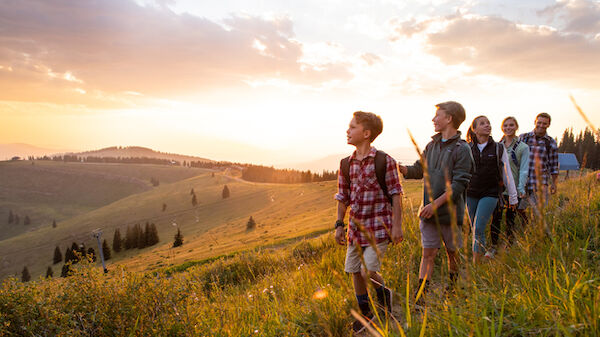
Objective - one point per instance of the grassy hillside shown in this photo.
(547, 284)
(54, 190)
(215, 226)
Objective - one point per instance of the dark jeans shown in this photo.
(510, 222)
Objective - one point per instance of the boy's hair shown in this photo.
(510, 118)
(471, 136)
(371, 122)
(455, 110)
(544, 115)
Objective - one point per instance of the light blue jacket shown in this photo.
(520, 171)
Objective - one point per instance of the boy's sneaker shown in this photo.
(490, 253)
(358, 326)
(386, 302)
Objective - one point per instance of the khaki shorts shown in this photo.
(430, 236)
(372, 261)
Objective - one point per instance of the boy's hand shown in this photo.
(340, 236)
(427, 211)
(402, 169)
(397, 234)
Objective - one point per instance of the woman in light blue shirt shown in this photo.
(518, 154)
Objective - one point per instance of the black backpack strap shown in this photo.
(380, 168)
(345, 169)
(513, 153)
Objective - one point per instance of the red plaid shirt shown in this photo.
(368, 205)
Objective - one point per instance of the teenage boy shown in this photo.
(448, 157)
(366, 184)
(542, 149)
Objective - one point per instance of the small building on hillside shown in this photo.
(567, 162)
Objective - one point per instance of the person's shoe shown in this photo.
(358, 326)
(490, 253)
(385, 301)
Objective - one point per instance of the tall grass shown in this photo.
(546, 284)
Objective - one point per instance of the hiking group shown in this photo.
(486, 176)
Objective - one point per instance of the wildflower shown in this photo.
(320, 294)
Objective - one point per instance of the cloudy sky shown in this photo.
(272, 81)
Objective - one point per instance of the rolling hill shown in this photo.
(215, 226)
(137, 152)
(47, 190)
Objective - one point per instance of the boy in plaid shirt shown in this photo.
(370, 208)
(542, 149)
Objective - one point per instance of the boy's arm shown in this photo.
(415, 171)
(343, 198)
(340, 236)
(523, 170)
(462, 172)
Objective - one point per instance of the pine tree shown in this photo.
(194, 200)
(164, 207)
(192, 192)
(91, 254)
(225, 193)
(251, 224)
(65, 271)
(25, 276)
(117, 241)
(141, 238)
(26, 221)
(49, 272)
(76, 253)
(69, 256)
(178, 239)
(57, 256)
(153, 235)
(105, 250)
(147, 235)
(53, 223)
(129, 238)
(11, 217)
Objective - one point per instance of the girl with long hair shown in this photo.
(518, 154)
(488, 181)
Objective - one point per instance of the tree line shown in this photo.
(585, 146)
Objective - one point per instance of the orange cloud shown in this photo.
(493, 45)
(64, 51)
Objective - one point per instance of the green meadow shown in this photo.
(268, 282)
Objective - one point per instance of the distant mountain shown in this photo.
(137, 152)
(403, 155)
(7, 151)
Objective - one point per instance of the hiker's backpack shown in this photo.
(380, 168)
(513, 153)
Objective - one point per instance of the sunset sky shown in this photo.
(277, 81)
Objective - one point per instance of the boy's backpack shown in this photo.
(380, 166)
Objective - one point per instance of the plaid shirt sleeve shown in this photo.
(553, 158)
(392, 179)
(343, 194)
